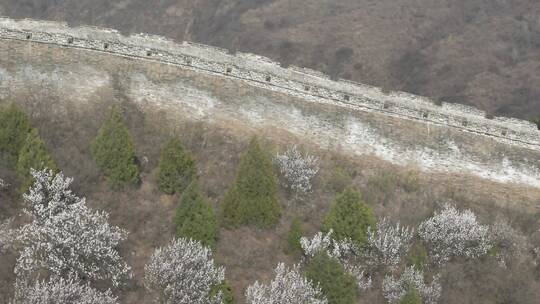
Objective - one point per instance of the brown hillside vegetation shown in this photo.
(480, 52)
(249, 254)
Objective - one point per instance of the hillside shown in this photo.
(419, 201)
(477, 52)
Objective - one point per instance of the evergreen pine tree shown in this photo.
(14, 127)
(113, 151)
(33, 154)
(176, 167)
(195, 217)
(338, 286)
(293, 237)
(411, 297)
(227, 296)
(252, 198)
(349, 217)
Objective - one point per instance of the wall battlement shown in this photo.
(260, 71)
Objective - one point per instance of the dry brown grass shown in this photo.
(404, 194)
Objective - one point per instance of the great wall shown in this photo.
(301, 83)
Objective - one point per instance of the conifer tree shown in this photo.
(411, 297)
(338, 286)
(226, 290)
(293, 237)
(252, 198)
(176, 167)
(195, 218)
(14, 127)
(33, 155)
(114, 153)
(349, 217)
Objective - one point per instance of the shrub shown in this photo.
(288, 287)
(293, 238)
(417, 256)
(33, 155)
(225, 288)
(14, 128)
(411, 297)
(339, 179)
(396, 289)
(195, 217)
(336, 284)
(298, 170)
(349, 217)
(176, 167)
(113, 151)
(451, 233)
(252, 198)
(387, 243)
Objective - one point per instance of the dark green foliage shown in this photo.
(293, 238)
(536, 121)
(411, 297)
(195, 217)
(113, 151)
(14, 127)
(252, 198)
(336, 284)
(226, 292)
(349, 217)
(176, 167)
(417, 256)
(33, 155)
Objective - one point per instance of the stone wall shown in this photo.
(312, 86)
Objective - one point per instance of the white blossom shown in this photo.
(7, 235)
(288, 287)
(3, 185)
(340, 250)
(298, 170)
(387, 243)
(452, 233)
(65, 237)
(60, 291)
(183, 272)
(344, 251)
(394, 289)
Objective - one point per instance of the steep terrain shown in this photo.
(479, 52)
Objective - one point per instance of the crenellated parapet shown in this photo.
(313, 86)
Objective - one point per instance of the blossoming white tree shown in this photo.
(6, 235)
(66, 238)
(298, 170)
(3, 185)
(387, 243)
(395, 288)
(60, 291)
(288, 287)
(345, 251)
(451, 233)
(183, 272)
